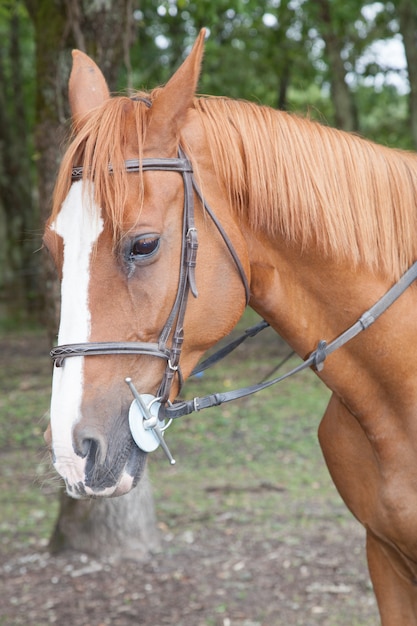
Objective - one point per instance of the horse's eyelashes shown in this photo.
(143, 247)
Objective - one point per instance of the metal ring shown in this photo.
(152, 421)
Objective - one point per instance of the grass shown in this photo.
(25, 381)
(27, 509)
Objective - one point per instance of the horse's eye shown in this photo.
(143, 247)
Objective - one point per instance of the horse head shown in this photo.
(117, 238)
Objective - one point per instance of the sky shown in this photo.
(388, 53)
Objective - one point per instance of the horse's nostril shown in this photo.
(83, 448)
(87, 444)
(93, 455)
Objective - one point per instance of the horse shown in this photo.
(307, 224)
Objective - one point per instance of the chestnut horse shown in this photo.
(317, 222)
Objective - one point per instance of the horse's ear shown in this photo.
(170, 107)
(87, 87)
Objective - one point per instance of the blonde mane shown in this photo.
(352, 199)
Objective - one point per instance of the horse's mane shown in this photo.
(352, 199)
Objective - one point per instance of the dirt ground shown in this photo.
(216, 576)
(218, 572)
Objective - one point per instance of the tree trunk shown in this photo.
(346, 116)
(51, 76)
(284, 83)
(17, 212)
(407, 14)
(123, 526)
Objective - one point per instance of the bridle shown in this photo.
(174, 326)
(152, 411)
(169, 344)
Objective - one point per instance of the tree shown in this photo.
(120, 526)
(332, 23)
(18, 218)
(407, 15)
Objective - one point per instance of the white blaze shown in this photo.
(79, 223)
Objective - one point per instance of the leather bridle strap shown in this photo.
(229, 347)
(226, 240)
(60, 353)
(186, 284)
(315, 360)
(133, 166)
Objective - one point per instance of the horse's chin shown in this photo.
(81, 491)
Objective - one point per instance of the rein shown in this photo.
(315, 360)
(148, 413)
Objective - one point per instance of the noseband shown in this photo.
(174, 326)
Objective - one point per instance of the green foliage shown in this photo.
(385, 117)
(18, 216)
(269, 51)
(10, 11)
(25, 378)
(26, 506)
(253, 48)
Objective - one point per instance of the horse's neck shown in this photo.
(305, 297)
